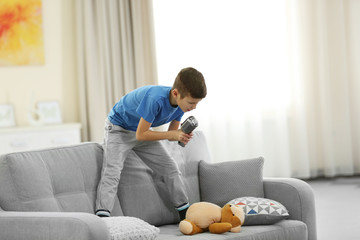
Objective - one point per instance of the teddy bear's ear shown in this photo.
(235, 221)
(227, 215)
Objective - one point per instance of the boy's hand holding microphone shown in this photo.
(188, 126)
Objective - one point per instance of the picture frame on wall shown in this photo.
(50, 112)
(7, 115)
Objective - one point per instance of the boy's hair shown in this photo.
(190, 81)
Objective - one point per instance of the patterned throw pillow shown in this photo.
(261, 211)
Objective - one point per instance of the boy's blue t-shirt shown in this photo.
(149, 102)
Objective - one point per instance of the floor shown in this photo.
(337, 202)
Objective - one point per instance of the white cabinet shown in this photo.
(29, 138)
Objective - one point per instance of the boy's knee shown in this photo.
(172, 174)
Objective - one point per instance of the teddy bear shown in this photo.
(206, 216)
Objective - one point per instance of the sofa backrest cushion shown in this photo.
(224, 181)
(58, 179)
(142, 194)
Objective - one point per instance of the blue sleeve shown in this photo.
(179, 117)
(148, 109)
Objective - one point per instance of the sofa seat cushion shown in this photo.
(283, 230)
(51, 180)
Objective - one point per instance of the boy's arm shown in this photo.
(143, 133)
(174, 125)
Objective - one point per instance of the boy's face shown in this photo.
(187, 103)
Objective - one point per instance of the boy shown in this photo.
(128, 126)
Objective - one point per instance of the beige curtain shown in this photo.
(325, 114)
(115, 54)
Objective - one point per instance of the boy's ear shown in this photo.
(175, 92)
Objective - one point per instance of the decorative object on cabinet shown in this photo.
(7, 117)
(35, 118)
(49, 112)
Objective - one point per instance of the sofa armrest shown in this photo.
(52, 226)
(297, 196)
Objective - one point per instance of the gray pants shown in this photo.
(117, 144)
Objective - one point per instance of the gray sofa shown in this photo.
(50, 194)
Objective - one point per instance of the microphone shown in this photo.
(188, 126)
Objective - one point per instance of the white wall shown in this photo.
(56, 79)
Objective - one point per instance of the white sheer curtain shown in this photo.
(115, 55)
(282, 79)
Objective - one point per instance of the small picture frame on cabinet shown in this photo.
(7, 116)
(50, 112)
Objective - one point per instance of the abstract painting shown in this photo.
(21, 34)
